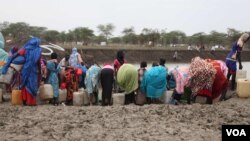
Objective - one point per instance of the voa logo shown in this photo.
(236, 132)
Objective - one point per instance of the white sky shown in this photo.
(189, 16)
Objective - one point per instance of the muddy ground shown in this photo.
(149, 122)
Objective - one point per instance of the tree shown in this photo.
(116, 40)
(129, 30)
(233, 34)
(21, 30)
(129, 36)
(217, 38)
(198, 38)
(37, 31)
(51, 36)
(17, 30)
(150, 35)
(174, 37)
(106, 30)
(62, 37)
(83, 34)
(98, 39)
(4, 25)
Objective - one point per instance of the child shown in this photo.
(53, 70)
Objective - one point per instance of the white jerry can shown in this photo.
(78, 99)
(46, 92)
(118, 98)
(62, 95)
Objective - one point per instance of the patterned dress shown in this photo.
(92, 78)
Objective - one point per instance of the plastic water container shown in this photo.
(6, 78)
(241, 74)
(78, 98)
(85, 96)
(118, 98)
(46, 92)
(166, 96)
(16, 97)
(243, 88)
(62, 95)
(1, 95)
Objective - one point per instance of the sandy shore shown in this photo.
(149, 122)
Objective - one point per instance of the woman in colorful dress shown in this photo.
(181, 76)
(201, 78)
(30, 70)
(91, 82)
(154, 83)
(107, 80)
(127, 79)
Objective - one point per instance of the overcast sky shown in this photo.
(189, 16)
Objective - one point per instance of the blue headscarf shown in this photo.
(30, 70)
(73, 60)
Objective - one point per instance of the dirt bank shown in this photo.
(102, 55)
(149, 122)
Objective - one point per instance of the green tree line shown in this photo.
(86, 35)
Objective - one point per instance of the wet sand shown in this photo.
(149, 122)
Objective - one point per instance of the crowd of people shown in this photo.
(204, 77)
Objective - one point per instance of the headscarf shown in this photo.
(154, 82)
(1, 41)
(201, 75)
(120, 56)
(3, 53)
(29, 73)
(73, 59)
(243, 38)
(127, 78)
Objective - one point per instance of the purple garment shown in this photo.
(230, 61)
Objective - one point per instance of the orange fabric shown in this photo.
(27, 97)
(2, 63)
(71, 80)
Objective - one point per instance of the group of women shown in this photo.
(204, 77)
